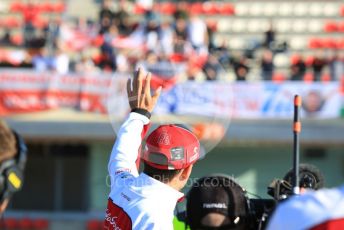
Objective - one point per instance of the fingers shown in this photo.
(138, 79)
(156, 95)
(129, 91)
(147, 90)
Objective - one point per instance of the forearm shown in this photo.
(126, 148)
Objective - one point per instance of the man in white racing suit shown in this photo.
(147, 200)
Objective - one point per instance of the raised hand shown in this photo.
(139, 92)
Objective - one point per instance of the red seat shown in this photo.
(138, 9)
(40, 224)
(309, 60)
(330, 43)
(342, 11)
(315, 43)
(47, 7)
(210, 8)
(17, 39)
(326, 77)
(16, 6)
(59, 7)
(94, 225)
(278, 77)
(341, 27)
(227, 9)
(294, 59)
(11, 223)
(40, 23)
(309, 77)
(25, 223)
(196, 8)
(331, 27)
(167, 8)
(12, 22)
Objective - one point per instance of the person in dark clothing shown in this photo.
(241, 69)
(269, 37)
(267, 65)
(211, 68)
(298, 69)
(105, 17)
(318, 65)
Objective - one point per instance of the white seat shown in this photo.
(241, 9)
(298, 43)
(238, 25)
(256, 9)
(300, 9)
(270, 9)
(281, 60)
(255, 26)
(299, 26)
(315, 26)
(285, 9)
(283, 26)
(316, 9)
(330, 9)
(236, 43)
(223, 25)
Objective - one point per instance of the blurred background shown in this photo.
(229, 70)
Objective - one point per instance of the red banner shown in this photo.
(30, 92)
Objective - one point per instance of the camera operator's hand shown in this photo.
(139, 92)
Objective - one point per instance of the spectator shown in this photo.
(198, 34)
(152, 30)
(241, 68)
(30, 13)
(107, 58)
(318, 64)
(298, 69)
(180, 31)
(217, 202)
(105, 16)
(336, 65)
(212, 68)
(322, 209)
(267, 65)
(61, 62)
(269, 37)
(121, 20)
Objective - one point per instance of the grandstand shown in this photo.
(62, 111)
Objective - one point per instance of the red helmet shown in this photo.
(171, 147)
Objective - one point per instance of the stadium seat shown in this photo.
(285, 9)
(210, 8)
(12, 22)
(309, 60)
(342, 11)
(94, 225)
(297, 43)
(17, 39)
(278, 77)
(281, 60)
(330, 10)
(238, 25)
(223, 26)
(331, 26)
(241, 9)
(283, 25)
(256, 9)
(196, 8)
(315, 26)
(47, 7)
(299, 26)
(300, 9)
(315, 43)
(227, 9)
(309, 77)
(16, 6)
(25, 224)
(40, 224)
(167, 8)
(11, 223)
(59, 7)
(315, 9)
(326, 77)
(341, 27)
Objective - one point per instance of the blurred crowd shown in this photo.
(176, 48)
